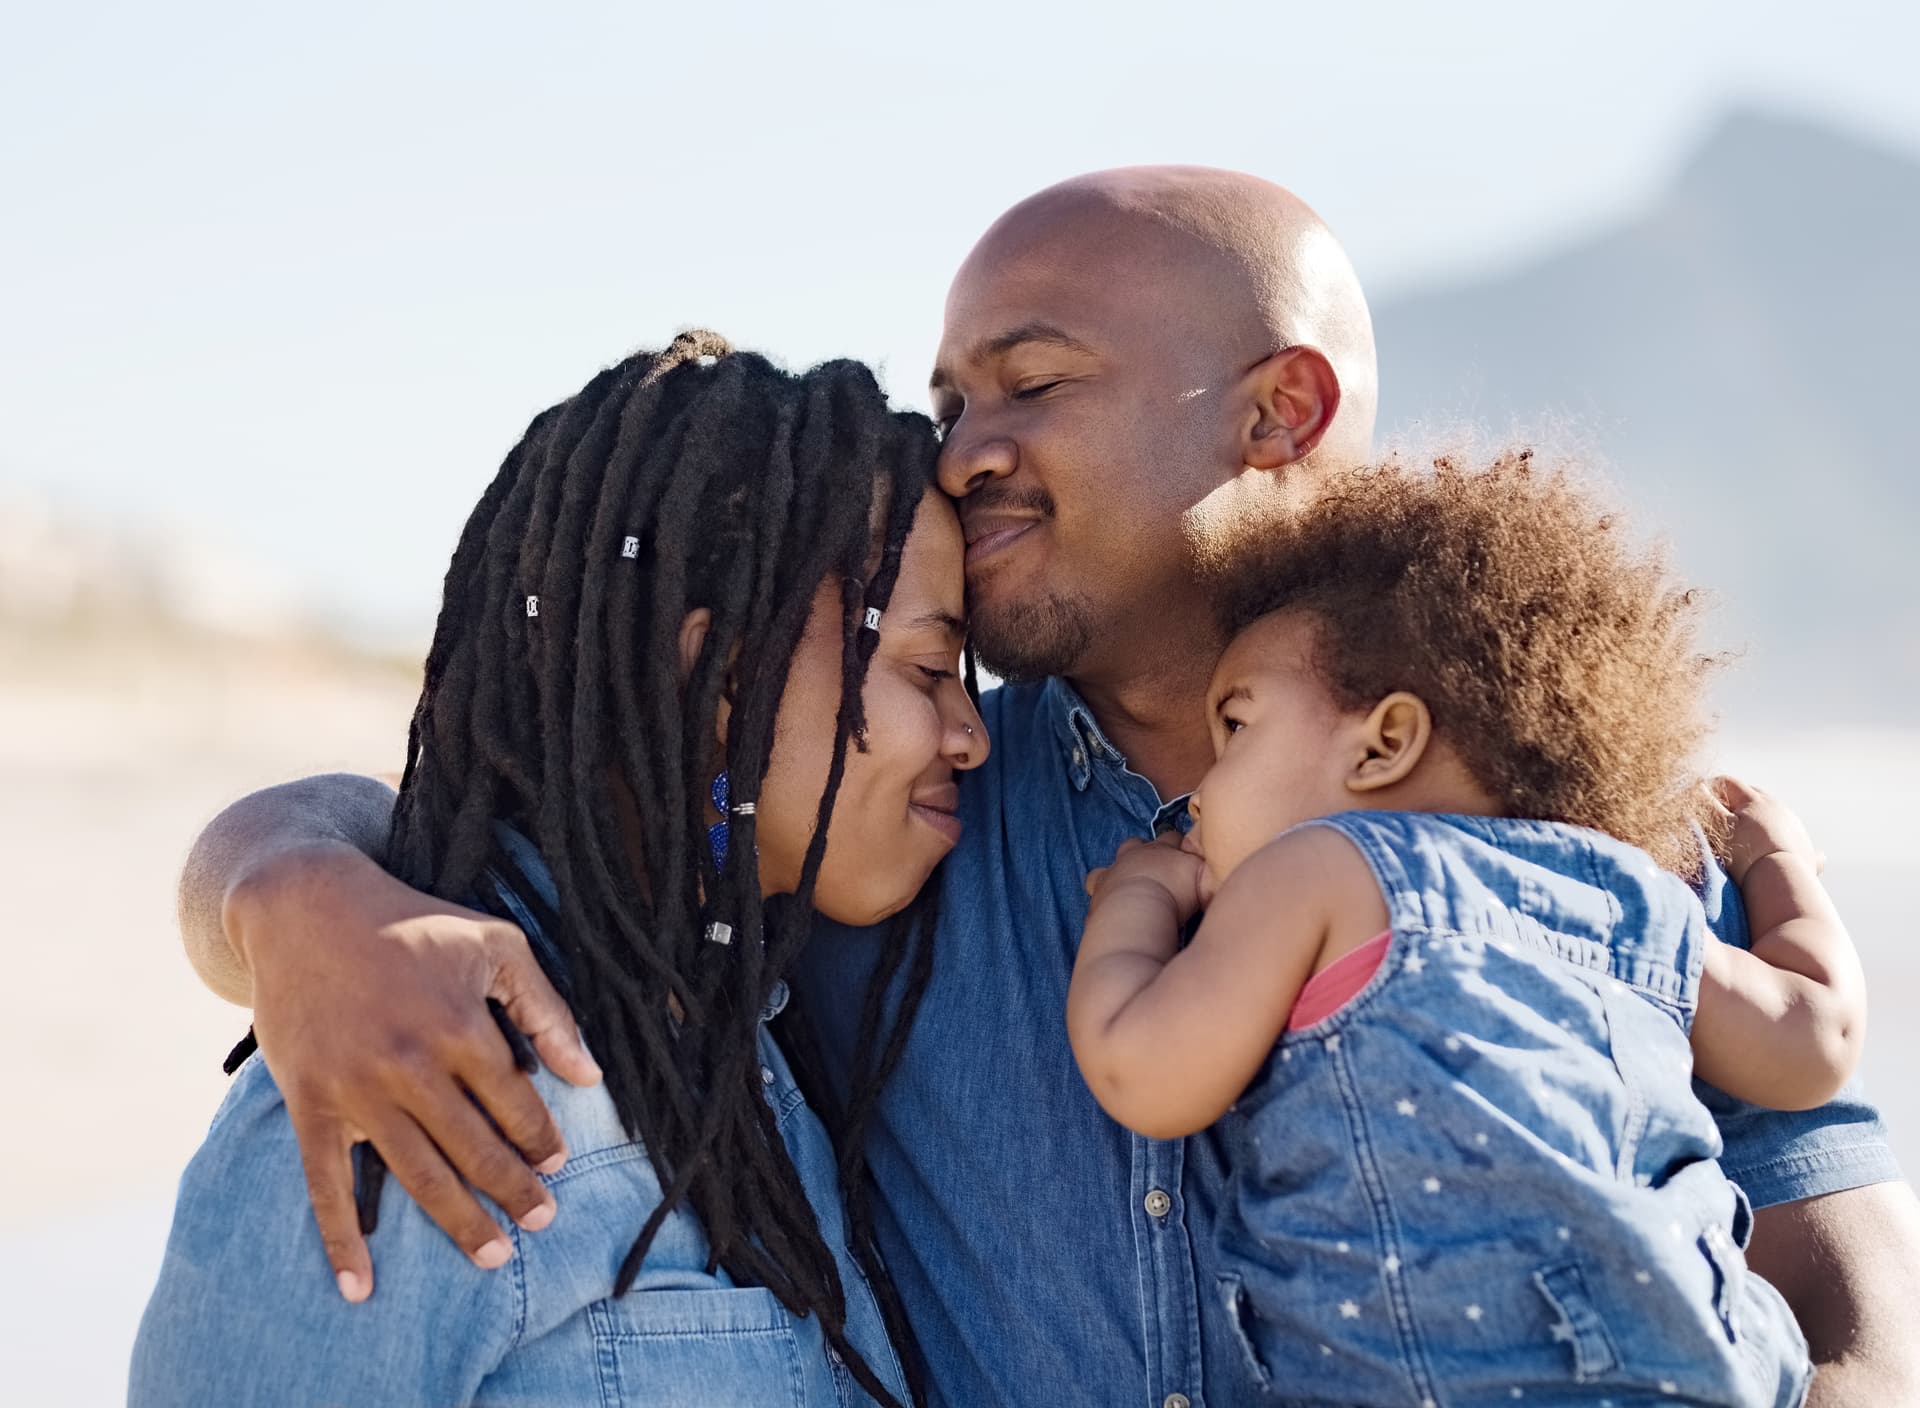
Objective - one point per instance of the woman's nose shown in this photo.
(970, 461)
(966, 744)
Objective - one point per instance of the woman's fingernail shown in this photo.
(493, 1254)
(537, 1217)
(352, 1288)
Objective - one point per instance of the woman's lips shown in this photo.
(989, 543)
(945, 822)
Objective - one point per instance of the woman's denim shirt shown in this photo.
(1487, 1177)
(246, 1310)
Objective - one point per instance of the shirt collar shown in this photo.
(1082, 743)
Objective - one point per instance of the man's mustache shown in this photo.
(1033, 501)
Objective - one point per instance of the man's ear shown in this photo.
(1291, 398)
(1394, 739)
(693, 635)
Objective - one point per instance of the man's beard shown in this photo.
(1029, 640)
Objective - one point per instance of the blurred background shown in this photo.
(278, 288)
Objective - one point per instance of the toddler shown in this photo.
(1450, 981)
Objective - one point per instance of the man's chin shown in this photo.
(1030, 640)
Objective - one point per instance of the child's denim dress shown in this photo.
(1485, 1179)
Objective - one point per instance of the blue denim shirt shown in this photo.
(246, 1311)
(1045, 1253)
(1486, 1176)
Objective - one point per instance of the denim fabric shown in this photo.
(1045, 1253)
(1487, 1176)
(246, 1311)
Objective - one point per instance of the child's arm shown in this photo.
(1782, 1025)
(1167, 1038)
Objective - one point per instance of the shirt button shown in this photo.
(1158, 1204)
(1176, 1400)
(766, 1075)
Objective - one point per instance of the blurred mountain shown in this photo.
(1742, 358)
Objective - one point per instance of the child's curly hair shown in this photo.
(1558, 658)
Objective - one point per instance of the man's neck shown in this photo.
(1158, 721)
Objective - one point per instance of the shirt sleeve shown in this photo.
(1782, 1156)
(246, 1308)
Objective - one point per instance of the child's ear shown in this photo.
(1394, 739)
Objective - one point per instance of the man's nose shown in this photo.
(969, 461)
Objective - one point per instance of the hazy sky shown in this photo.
(291, 281)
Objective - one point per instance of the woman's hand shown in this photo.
(370, 1007)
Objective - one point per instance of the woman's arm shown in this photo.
(370, 1007)
(1784, 1024)
(1168, 1038)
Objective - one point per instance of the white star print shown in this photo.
(1669, 1386)
(1516, 1393)
(1414, 963)
(1565, 1232)
(1453, 1043)
(1341, 1247)
(1326, 1349)
(1286, 1053)
(1480, 1138)
(1474, 1313)
(1432, 1185)
(1563, 1333)
(1407, 1107)
(1349, 1311)
(1333, 1042)
(1645, 1278)
(1391, 1264)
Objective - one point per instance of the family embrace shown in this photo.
(1317, 975)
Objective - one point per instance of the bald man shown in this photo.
(1139, 369)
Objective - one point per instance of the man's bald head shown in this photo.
(1254, 268)
(1140, 369)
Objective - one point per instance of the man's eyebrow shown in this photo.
(1044, 333)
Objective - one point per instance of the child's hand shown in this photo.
(1160, 862)
(1759, 824)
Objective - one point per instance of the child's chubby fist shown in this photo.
(1160, 862)
(1758, 824)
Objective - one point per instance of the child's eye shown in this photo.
(1231, 724)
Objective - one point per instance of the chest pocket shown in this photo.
(714, 1348)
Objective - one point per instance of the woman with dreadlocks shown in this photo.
(694, 680)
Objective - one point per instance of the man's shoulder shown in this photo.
(1013, 708)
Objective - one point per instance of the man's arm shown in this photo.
(235, 857)
(1849, 1266)
(370, 1005)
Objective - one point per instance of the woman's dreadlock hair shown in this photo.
(694, 477)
